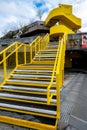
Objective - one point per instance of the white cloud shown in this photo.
(14, 12)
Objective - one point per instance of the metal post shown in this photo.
(24, 54)
(16, 54)
(58, 95)
(30, 53)
(4, 64)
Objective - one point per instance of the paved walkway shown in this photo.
(74, 103)
(78, 117)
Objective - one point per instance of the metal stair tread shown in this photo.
(33, 70)
(29, 81)
(52, 90)
(38, 110)
(52, 45)
(45, 56)
(50, 50)
(31, 75)
(40, 65)
(22, 97)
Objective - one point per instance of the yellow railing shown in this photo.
(44, 42)
(39, 45)
(8, 52)
(18, 47)
(58, 73)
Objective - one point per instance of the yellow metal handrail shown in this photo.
(58, 70)
(13, 48)
(16, 46)
(44, 42)
(40, 45)
(34, 47)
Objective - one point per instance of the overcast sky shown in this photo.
(14, 13)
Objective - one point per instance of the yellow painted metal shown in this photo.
(27, 101)
(9, 54)
(58, 70)
(64, 15)
(35, 46)
(5, 50)
(4, 55)
(25, 53)
(16, 54)
(60, 30)
(68, 23)
(28, 124)
(4, 59)
(28, 84)
(27, 112)
(30, 53)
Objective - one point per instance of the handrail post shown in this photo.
(4, 65)
(39, 44)
(30, 53)
(16, 54)
(24, 54)
(58, 94)
(35, 49)
(48, 94)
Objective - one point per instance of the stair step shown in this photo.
(50, 63)
(30, 76)
(45, 55)
(22, 97)
(30, 109)
(53, 42)
(48, 51)
(45, 58)
(44, 71)
(29, 81)
(39, 65)
(31, 89)
(52, 46)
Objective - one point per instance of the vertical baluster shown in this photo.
(30, 53)
(58, 94)
(16, 54)
(24, 54)
(4, 64)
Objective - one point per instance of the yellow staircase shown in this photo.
(31, 91)
(30, 95)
